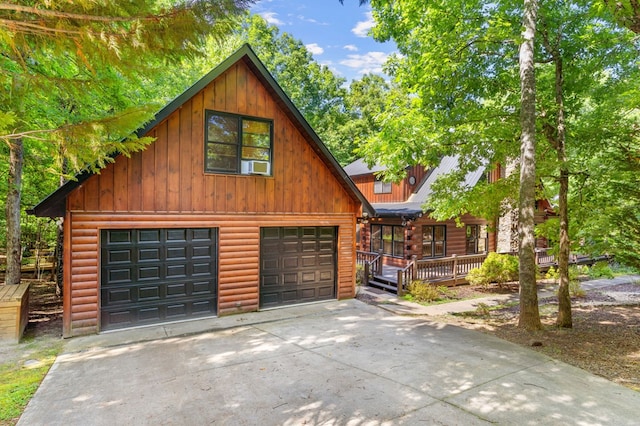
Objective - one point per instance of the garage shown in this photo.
(298, 265)
(149, 276)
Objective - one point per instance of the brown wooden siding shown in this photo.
(399, 191)
(238, 250)
(169, 175)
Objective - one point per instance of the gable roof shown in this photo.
(54, 204)
(360, 167)
(413, 206)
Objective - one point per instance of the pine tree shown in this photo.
(70, 73)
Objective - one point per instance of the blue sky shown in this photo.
(335, 34)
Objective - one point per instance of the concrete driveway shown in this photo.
(335, 363)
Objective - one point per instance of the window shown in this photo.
(388, 238)
(237, 144)
(434, 240)
(476, 239)
(380, 187)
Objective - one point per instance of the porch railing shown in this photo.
(544, 256)
(371, 264)
(442, 269)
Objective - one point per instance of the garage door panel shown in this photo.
(153, 276)
(176, 253)
(148, 235)
(147, 255)
(120, 275)
(149, 273)
(298, 266)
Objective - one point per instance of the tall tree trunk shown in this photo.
(529, 313)
(14, 192)
(564, 299)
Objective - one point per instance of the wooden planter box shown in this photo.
(14, 311)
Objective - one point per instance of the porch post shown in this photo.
(455, 269)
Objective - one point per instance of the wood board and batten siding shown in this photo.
(165, 186)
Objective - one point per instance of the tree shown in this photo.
(460, 98)
(627, 13)
(64, 62)
(529, 315)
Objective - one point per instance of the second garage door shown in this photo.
(150, 276)
(298, 265)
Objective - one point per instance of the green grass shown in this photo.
(19, 383)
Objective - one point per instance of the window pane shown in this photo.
(222, 157)
(439, 233)
(427, 233)
(249, 153)
(439, 248)
(398, 233)
(256, 133)
(427, 249)
(380, 187)
(222, 128)
(482, 245)
(398, 247)
(376, 239)
(387, 233)
(388, 247)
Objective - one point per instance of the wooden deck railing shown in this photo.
(543, 256)
(371, 263)
(442, 269)
(449, 270)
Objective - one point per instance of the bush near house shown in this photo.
(497, 268)
(423, 291)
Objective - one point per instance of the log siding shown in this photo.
(238, 257)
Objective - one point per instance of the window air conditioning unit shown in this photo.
(256, 167)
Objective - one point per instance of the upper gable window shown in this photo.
(380, 187)
(237, 144)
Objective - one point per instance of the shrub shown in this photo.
(497, 268)
(599, 270)
(423, 291)
(359, 275)
(575, 289)
(477, 277)
(552, 274)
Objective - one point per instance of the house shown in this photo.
(402, 230)
(237, 206)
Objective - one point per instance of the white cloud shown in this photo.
(351, 47)
(270, 17)
(315, 49)
(370, 62)
(362, 28)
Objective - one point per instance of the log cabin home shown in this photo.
(402, 230)
(237, 206)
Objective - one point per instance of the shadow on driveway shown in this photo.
(337, 363)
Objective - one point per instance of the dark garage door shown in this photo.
(157, 275)
(297, 265)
